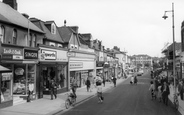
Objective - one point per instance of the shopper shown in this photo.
(181, 89)
(165, 92)
(88, 84)
(152, 89)
(53, 89)
(99, 91)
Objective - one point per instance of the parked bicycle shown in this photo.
(175, 101)
(70, 101)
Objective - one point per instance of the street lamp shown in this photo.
(165, 17)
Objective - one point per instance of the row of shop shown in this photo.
(33, 68)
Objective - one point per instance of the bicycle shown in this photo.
(70, 101)
(175, 101)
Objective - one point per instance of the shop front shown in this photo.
(53, 65)
(99, 68)
(6, 98)
(81, 67)
(22, 61)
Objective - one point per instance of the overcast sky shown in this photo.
(135, 26)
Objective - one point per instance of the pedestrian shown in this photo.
(88, 84)
(152, 89)
(132, 80)
(181, 89)
(165, 92)
(99, 91)
(74, 86)
(53, 89)
(103, 81)
(159, 95)
(135, 80)
(114, 81)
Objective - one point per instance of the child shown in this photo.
(99, 91)
(159, 92)
(152, 89)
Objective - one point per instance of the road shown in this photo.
(125, 99)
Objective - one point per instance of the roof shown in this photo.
(65, 33)
(49, 36)
(9, 15)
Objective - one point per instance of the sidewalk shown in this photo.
(181, 102)
(45, 106)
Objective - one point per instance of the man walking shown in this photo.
(165, 93)
(53, 89)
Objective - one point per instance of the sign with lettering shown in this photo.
(7, 57)
(30, 54)
(6, 76)
(13, 51)
(48, 54)
(17, 57)
(76, 65)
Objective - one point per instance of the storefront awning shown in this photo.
(4, 69)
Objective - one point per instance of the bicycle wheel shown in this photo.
(67, 103)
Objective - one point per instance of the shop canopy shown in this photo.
(4, 69)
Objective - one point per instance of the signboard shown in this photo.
(12, 53)
(71, 54)
(30, 54)
(48, 54)
(76, 65)
(6, 76)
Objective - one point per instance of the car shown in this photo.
(140, 72)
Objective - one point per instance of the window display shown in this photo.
(19, 83)
(6, 87)
(31, 76)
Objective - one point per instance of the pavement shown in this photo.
(45, 106)
(181, 102)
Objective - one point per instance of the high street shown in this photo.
(125, 99)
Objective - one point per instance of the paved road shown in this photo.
(125, 99)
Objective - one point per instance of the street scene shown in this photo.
(95, 57)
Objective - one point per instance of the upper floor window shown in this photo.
(33, 40)
(14, 39)
(60, 45)
(2, 34)
(53, 28)
(30, 37)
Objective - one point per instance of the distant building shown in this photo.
(141, 60)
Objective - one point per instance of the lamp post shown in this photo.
(174, 73)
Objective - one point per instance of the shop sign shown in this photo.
(99, 64)
(71, 54)
(48, 55)
(7, 57)
(30, 54)
(76, 65)
(13, 51)
(6, 76)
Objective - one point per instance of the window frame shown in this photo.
(14, 37)
(2, 34)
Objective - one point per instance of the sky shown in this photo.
(135, 26)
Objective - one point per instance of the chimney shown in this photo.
(12, 3)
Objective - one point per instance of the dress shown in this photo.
(159, 92)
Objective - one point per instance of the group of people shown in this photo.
(160, 89)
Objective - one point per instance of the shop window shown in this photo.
(2, 33)
(62, 75)
(19, 82)
(6, 87)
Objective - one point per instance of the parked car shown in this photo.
(140, 72)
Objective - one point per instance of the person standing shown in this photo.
(53, 89)
(165, 93)
(152, 89)
(99, 91)
(181, 89)
(159, 94)
(88, 84)
(103, 81)
(114, 81)
(135, 80)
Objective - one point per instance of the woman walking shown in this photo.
(88, 84)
